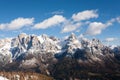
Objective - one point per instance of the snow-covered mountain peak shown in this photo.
(32, 44)
(72, 37)
(22, 35)
(71, 44)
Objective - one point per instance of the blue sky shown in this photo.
(93, 18)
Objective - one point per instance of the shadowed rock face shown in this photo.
(45, 54)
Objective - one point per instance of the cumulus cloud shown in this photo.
(69, 27)
(118, 19)
(75, 21)
(55, 20)
(85, 15)
(17, 23)
(110, 39)
(96, 28)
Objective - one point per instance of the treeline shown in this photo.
(24, 76)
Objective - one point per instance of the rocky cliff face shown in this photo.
(23, 45)
(31, 51)
(47, 55)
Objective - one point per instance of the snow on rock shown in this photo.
(40, 39)
(5, 44)
(23, 44)
(71, 43)
(112, 46)
(5, 53)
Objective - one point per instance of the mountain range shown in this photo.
(50, 56)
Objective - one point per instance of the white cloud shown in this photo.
(17, 23)
(85, 15)
(50, 22)
(69, 27)
(118, 19)
(96, 28)
(75, 22)
(69, 24)
(110, 39)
